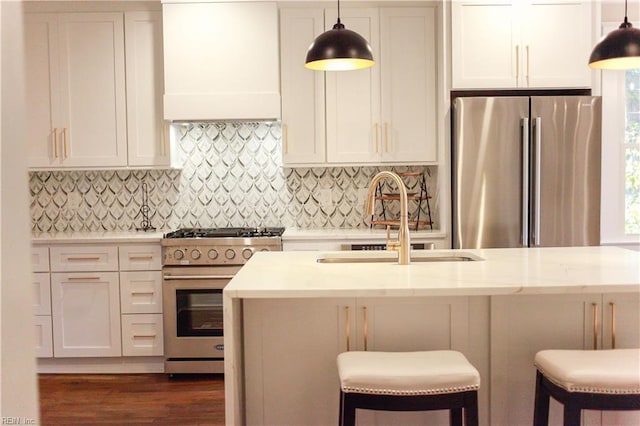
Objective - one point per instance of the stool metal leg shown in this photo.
(541, 407)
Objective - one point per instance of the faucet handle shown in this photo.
(392, 245)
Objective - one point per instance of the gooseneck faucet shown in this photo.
(403, 244)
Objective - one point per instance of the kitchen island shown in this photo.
(287, 316)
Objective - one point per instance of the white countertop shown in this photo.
(502, 272)
(96, 237)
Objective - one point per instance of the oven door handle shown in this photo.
(197, 277)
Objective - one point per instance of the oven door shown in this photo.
(192, 305)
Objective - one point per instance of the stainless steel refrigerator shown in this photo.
(526, 171)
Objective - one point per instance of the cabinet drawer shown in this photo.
(142, 335)
(84, 258)
(141, 292)
(39, 259)
(41, 293)
(144, 257)
(44, 336)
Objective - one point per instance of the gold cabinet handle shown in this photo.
(64, 143)
(517, 61)
(365, 328)
(347, 330)
(613, 325)
(528, 71)
(55, 142)
(84, 278)
(165, 137)
(83, 258)
(594, 307)
(375, 132)
(386, 137)
(285, 137)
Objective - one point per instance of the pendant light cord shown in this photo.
(625, 24)
(340, 22)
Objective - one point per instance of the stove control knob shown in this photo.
(213, 254)
(178, 254)
(247, 253)
(230, 254)
(195, 254)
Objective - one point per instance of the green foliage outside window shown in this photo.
(632, 153)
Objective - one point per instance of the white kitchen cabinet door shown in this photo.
(524, 325)
(42, 77)
(86, 314)
(39, 259)
(521, 44)
(43, 336)
(557, 55)
(291, 347)
(147, 138)
(84, 257)
(353, 98)
(484, 50)
(408, 58)
(302, 89)
(621, 330)
(142, 335)
(41, 293)
(141, 292)
(79, 111)
(140, 257)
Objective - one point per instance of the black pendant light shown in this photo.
(619, 50)
(339, 49)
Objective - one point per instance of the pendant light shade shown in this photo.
(339, 49)
(619, 50)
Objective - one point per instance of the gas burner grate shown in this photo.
(225, 232)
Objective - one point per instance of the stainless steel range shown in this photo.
(197, 265)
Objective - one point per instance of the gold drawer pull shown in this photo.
(595, 325)
(613, 325)
(347, 328)
(87, 278)
(83, 258)
(365, 328)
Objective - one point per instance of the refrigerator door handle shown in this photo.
(538, 150)
(525, 181)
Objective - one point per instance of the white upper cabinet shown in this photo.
(75, 79)
(378, 115)
(520, 44)
(221, 61)
(303, 104)
(148, 142)
(85, 110)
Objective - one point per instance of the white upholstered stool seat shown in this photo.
(408, 381)
(586, 379)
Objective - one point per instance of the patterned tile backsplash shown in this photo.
(232, 176)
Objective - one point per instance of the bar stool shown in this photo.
(591, 380)
(408, 381)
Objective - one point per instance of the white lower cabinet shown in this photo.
(523, 325)
(86, 314)
(142, 335)
(291, 347)
(43, 336)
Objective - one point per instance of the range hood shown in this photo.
(221, 61)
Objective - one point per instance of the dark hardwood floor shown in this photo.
(131, 399)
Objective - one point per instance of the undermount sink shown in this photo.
(391, 257)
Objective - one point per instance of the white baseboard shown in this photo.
(116, 365)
